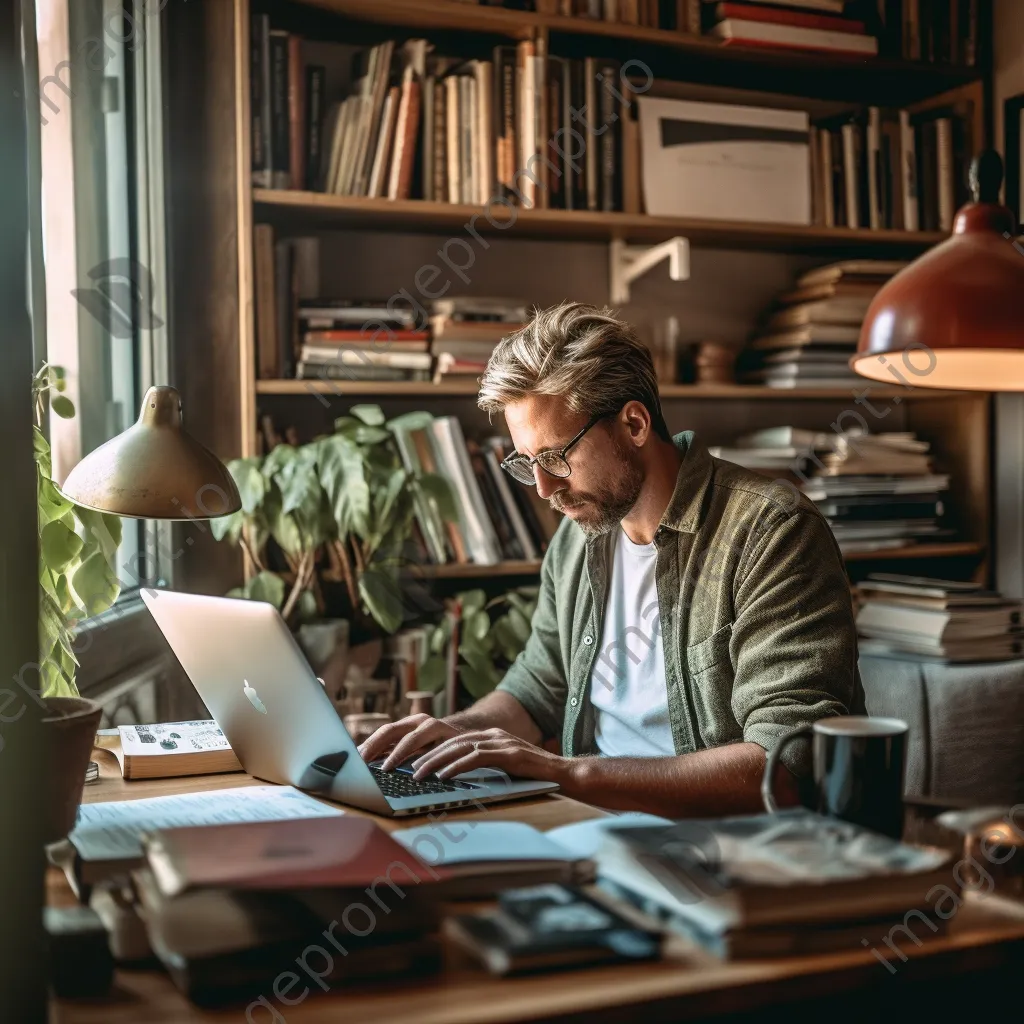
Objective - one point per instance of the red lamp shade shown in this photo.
(955, 317)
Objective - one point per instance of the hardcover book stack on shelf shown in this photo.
(882, 168)
(876, 491)
(936, 620)
(464, 332)
(816, 25)
(496, 518)
(807, 338)
(671, 15)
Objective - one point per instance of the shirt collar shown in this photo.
(683, 512)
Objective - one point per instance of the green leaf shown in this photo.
(411, 421)
(477, 625)
(279, 457)
(95, 584)
(439, 637)
(472, 601)
(506, 640)
(58, 545)
(521, 604)
(439, 491)
(102, 531)
(519, 624)
(41, 451)
(251, 483)
(381, 594)
(344, 482)
(229, 527)
(371, 415)
(432, 674)
(305, 608)
(50, 503)
(63, 406)
(388, 500)
(266, 586)
(483, 677)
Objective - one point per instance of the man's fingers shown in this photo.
(424, 734)
(387, 736)
(451, 751)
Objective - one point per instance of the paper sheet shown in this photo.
(111, 831)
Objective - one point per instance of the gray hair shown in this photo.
(581, 353)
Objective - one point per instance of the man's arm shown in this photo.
(707, 783)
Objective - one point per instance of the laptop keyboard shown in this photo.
(403, 784)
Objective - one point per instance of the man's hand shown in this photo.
(406, 737)
(491, 748)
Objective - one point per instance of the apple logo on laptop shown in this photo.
(254, 697)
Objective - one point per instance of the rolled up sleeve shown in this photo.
(794, 642)
(537, 678)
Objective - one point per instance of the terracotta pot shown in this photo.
(69, 730)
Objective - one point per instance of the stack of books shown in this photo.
(807, 338)
(775, 884)
(497, 518)
(361, 340)
(946, 621)
(226, 905)
(465, 331)
(885, 168)
(791, 24)
(671, 15)
(876, 491)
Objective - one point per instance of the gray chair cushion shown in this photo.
(966, 725)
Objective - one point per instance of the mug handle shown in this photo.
(767, 796)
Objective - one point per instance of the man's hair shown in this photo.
(580, 353)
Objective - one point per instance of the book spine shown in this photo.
(828, 200)
(908, 173)
(266, 178)
(279, 124)
(554, 105)
(527, 121)
(283, 307)
(314, 124)
(540, 109)
(268, 353)
(632, 201)
(259, 126)
(813, 170)
(466, 138)
(927, 159)
(296, 115)
(424, 506)
(912, 29)
(693, 18)
(970, 45)
(609, 174)
(944, 164)
(451, 88)
(590, 102)
(515, 518)
(485, 140)
(850, 175)
(429, 114)
(874, 168)
(440, 147)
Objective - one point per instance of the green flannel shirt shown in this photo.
(756, 617)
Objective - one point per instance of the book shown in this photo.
(171, 749)
(314, 127)
(783, 16)
(280, 130)
(735, 30)
(936, 625)
(551, 926)
(790, 868)
(495, 855)
(259, 93)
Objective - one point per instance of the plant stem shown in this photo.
(346, 569)
(247, 547)
(302, 573)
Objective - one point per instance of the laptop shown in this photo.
(282, 726)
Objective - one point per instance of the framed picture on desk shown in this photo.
(1013, 140)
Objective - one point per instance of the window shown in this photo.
(102, 315)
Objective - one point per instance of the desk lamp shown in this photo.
(955, 317)
(154, 470)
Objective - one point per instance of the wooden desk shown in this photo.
(984, 945)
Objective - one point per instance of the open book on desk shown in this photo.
(483, 857)
(170, 749)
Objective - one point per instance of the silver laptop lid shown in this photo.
(244, 662)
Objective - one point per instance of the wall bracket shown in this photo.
(628, 262)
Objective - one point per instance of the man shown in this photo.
(690, 611)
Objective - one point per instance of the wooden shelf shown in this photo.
(516, 568)
(954, 549)
(453, 388)
(677, 54)
(319, 210)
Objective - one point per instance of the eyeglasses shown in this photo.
(553, 461)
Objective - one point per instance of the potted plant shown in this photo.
(339, 508)
(491, 634)
(77, 579)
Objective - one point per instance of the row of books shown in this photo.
(876, 491)
(936, 620)
(888, 169)
(498, 519)
(934, 31)
(810, 332)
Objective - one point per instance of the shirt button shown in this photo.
(573, 702)
(588, 639)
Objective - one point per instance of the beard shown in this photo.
(599, 512)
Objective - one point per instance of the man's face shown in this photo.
(607, 471)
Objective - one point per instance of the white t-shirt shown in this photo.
(627, 682)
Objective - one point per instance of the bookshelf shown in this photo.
(958, 423)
